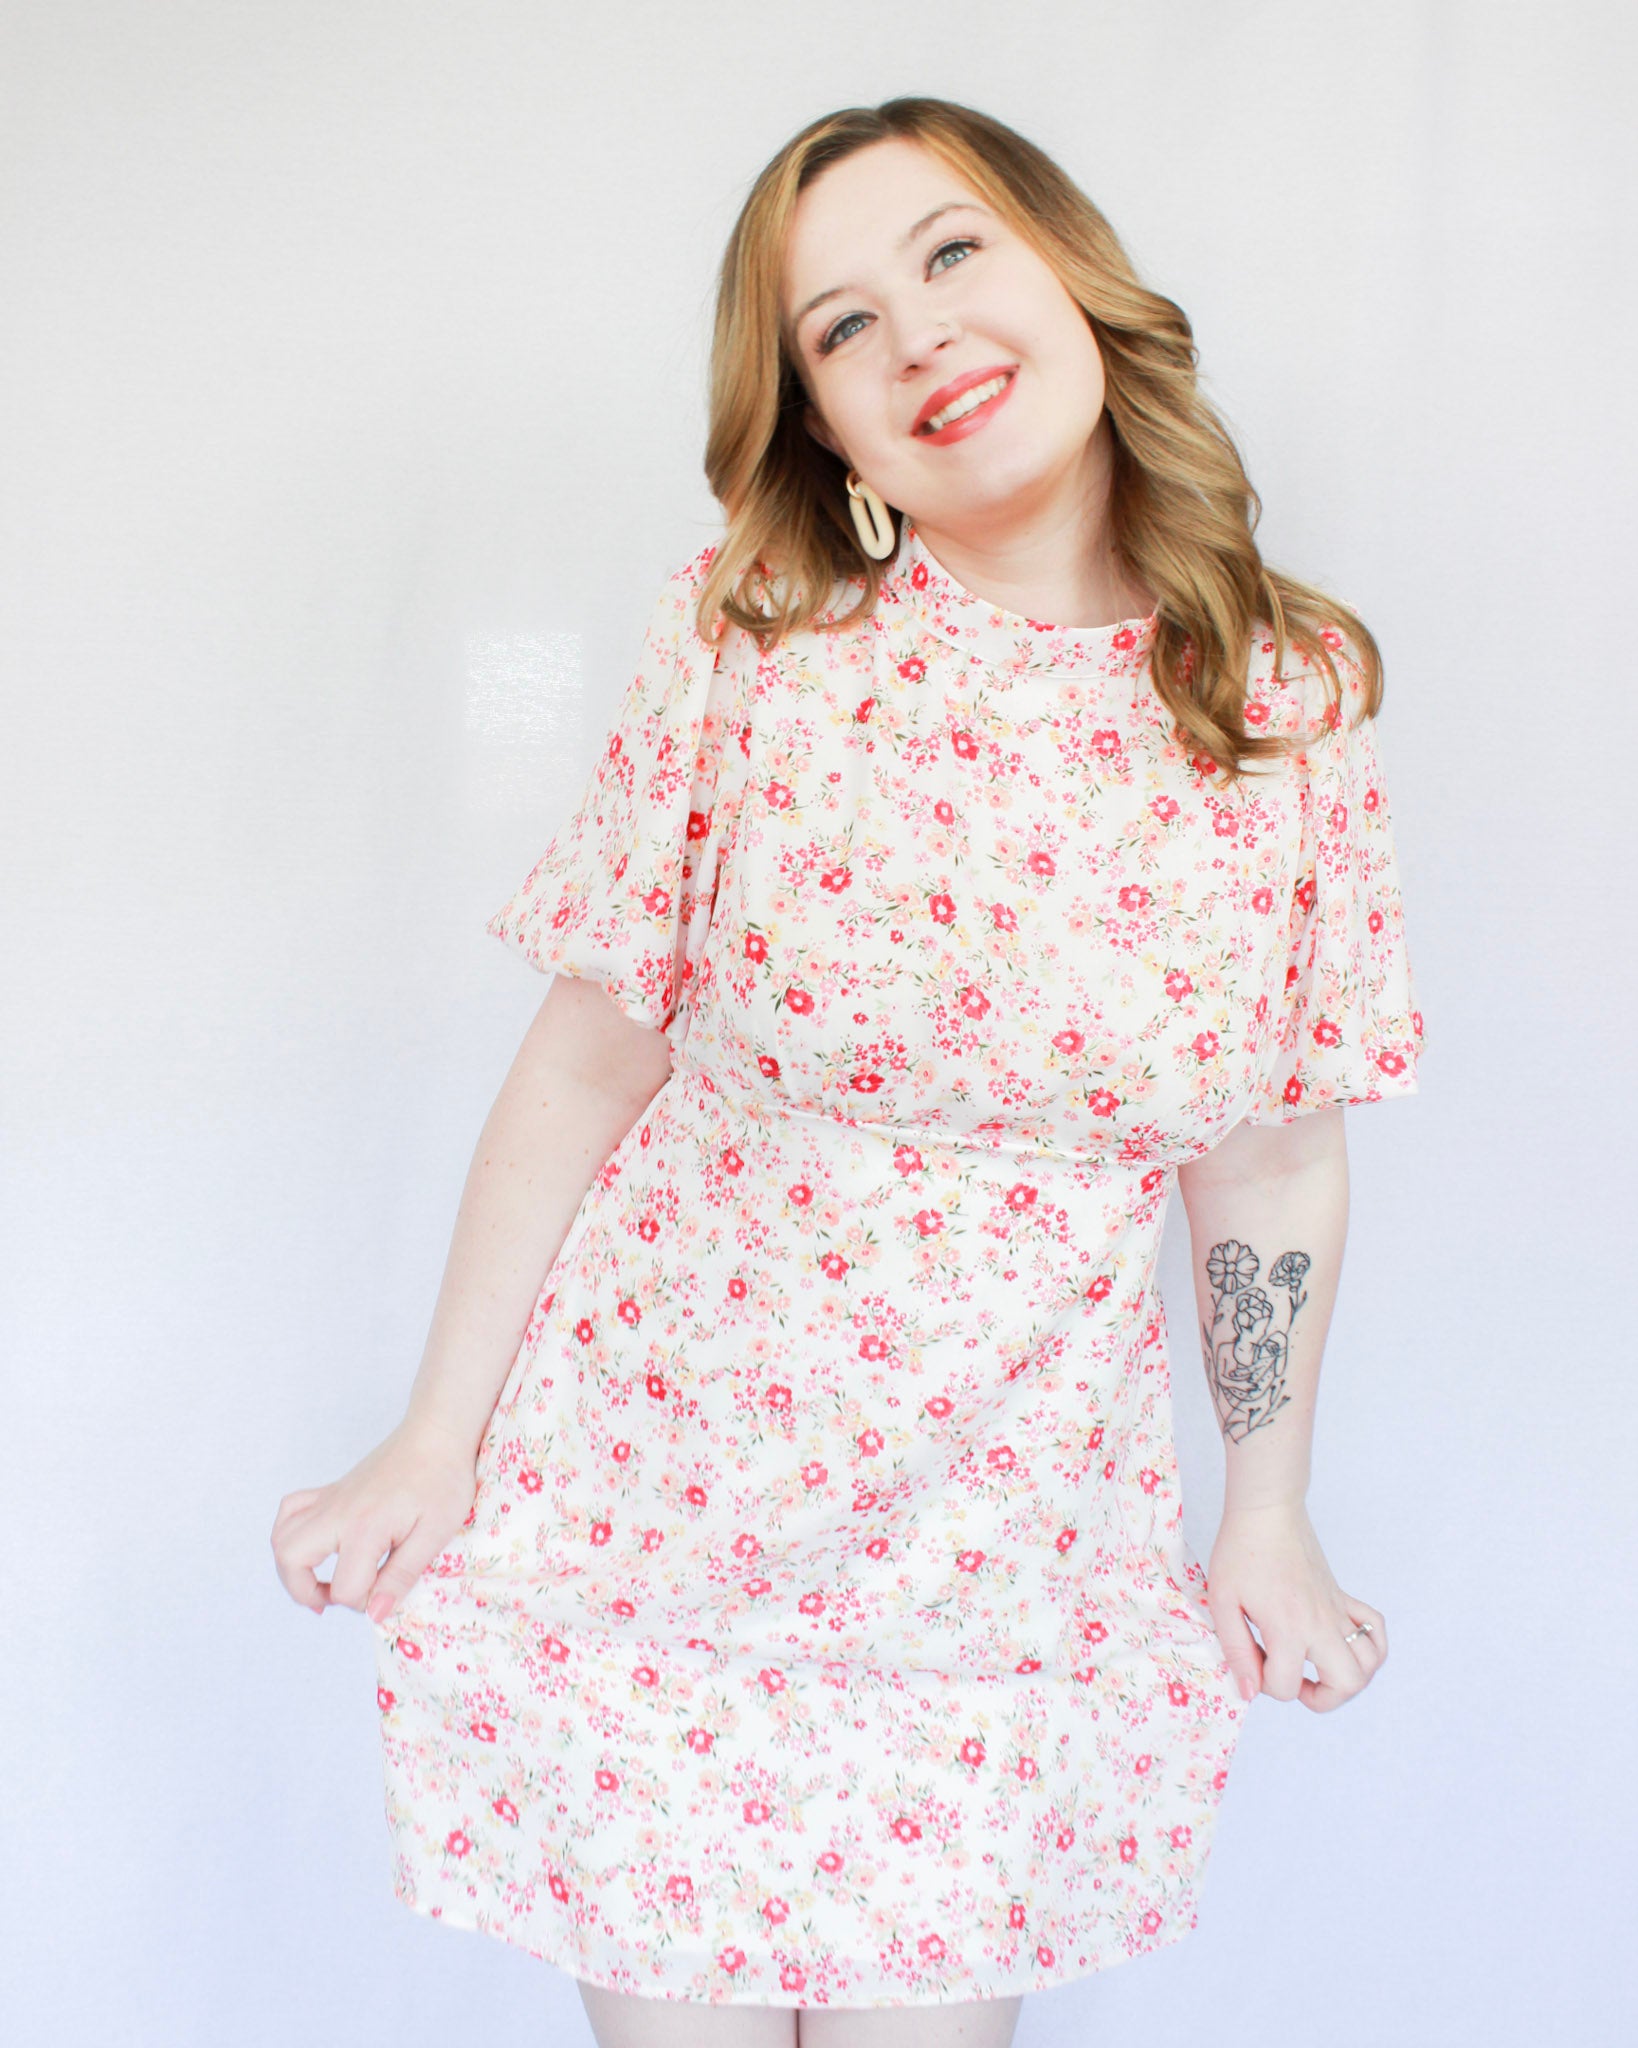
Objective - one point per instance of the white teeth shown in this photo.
(969, 401)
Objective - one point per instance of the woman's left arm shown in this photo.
(1268, 1217)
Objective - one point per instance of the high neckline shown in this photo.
(1006, 640)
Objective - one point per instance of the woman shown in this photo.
(787, 1606)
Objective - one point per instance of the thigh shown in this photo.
(978, 2023)
(620, 2019)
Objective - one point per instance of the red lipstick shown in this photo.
(942, 397)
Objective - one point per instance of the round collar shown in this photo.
(1006, 640)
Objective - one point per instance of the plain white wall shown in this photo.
(352, 359)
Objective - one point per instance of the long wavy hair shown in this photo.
(1182, 510)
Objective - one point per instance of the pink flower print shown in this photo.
(657, 902)
(1181, 1836)
(757, 1587)
(1166, 808)
(798, 1002)
(385, 1700)
(779, 798)
(768, 1066)
(699, 1741)
(1262, 901)
(1178, 1693)
(584, 1330)
(944, 812)
(1045, 1957)
(1066, 1539)
(756, 948)
(876, 1547)
(811, 1603)
(621, 1452)
(530, 1480)
(1021, 1196)
(656, 1387)
(776, 1912)
(630, 1314)
(555, 1650)
(778, 1397)
(756, 1811)
(814, 1474)
(971, 1751)
(939, 1406)
(746, 1545)
(1101, 1288)
(680, 1890)
(863, 709)
(969, 1560)
(624, 1608)
(1143, 1764)
(1326, 1033)
(866, 1084)
(457, 1843)
(907, 1159)
(1128, 1849)
(1027, 1768)
(1255, 713)
(558, 1888)
(1041, 863)
(1206, 1045)
(792, 1977)
(1015, 1913)
(801, 1194)
(1226, 824)
(907, 1830)
(1024, 1667)
(870, 1441)
(965, 746)
(1002, 1458)
(1178, 985)
(737, 1289)
(1066, 1838)
(646, 1675)
(695, 1496)
(929, 1222)
(931, 1945)
(941, 909)
(1134, 897)
(601, 1531)
(771, 1681)
(648, 1229)
(1374, 922)
(1148, 1479)
(1106, 742)
(835, 880)
(732, 1960)
(1006, 919)
(872, 1348)
(606, 1781)
(731, 1161)
(1391, 1062)
(506, 1811)
(974, 1002)
(830, 1862)
(1068, 1042)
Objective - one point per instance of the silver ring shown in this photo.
(1364, 1629)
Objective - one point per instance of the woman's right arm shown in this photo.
(583, 1075)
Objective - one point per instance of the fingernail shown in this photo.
(1247, 1690)
(379, 1609)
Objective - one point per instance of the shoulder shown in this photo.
(1296, 698)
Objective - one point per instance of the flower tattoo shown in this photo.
(1248, 1341)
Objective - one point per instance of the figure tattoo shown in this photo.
(1248, 1341)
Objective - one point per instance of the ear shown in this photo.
(814, 421)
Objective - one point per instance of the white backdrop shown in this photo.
(352, 361)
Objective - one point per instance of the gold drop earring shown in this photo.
(871, 520)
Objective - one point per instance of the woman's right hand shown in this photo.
(408, 1496)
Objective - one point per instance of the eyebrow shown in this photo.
(927, 219)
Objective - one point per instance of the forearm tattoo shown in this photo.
(1248, 1340)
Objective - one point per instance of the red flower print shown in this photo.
(1106, 742)
(530, 1480)
(623, 1608)
(385, 1700)
(629, 1314)
(1178, 985)
(1143, 1763)
(792, 1977)
(558, 1889)
(737, 1289)
(801, 1194)
(648, 1230)
(583, 1329)
(601, 1531)
(1148, 1479)
(1391, 1062)
(779, 797)
(1021, 1196)
(974, 1002)
(656, 1387)
(699, 823)
(833, 1266)
(971, 1751)
(870, 1441)
(776, 1912)
(768, 1066)
(929, 1222)
(1326, 1033)
(506, 1811)
(746, 1545)
(756, 947)
(1134, 897)
(939, 1406)
(829, 1861)
(866, 1084)
(1042, 863)
(1066, 1838)
(732, 1162)
(771, 1681)
(798, 1002)
(757, 1587)
(877, 1547)
(778, 1397)
(620, 1453)
(1178, 1693)
(835, 880)
(811, 1603)
(1066, 1538)
(942, 909)
(907, 1830)
(1262, 901)
(1101, 1288)
(944, 812)
(1024, 1667)
(1069, 1041)
(1002, 1458)
(695, 1496)
(969, 1560)
(863, 709)
(757, 1810)
(1015, 1914)
(699, 1741)
(931, 1945)
(1226, 824)
(606, 1781)
(555, 1649)
(1206, 1045)
(1128, 1849)
(872, 1348)
(1045, 1957)
(657, 902)
(732, 1959)
(1006, 920)
(964, 745)
(680, 1890)
(907, 1159)
(814, 1474)
(1374, 922)
(457, 1843)
(645, 1674)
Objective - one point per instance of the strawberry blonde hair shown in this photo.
(1182, 510)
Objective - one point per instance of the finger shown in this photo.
(403, 1567)
(1283, 1654)
(1342, 1675)
(295, 1552)
(358, 1563)
(1245, 1659)
(1369, 1645)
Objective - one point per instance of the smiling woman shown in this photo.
(967, 868)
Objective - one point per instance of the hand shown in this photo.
(409, 1496)
(1267, 1567)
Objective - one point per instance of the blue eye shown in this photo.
(834, 336)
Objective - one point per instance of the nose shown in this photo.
(922, 336)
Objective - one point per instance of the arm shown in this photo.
(1268, 1218)
(583, 1075)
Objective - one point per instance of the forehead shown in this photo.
(856, 216)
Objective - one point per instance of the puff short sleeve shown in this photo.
(623, 894)
(1349, 1024)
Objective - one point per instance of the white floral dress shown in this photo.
(823, 1630)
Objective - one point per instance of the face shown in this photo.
(915, 311)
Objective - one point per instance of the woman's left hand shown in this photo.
(1267, 1567)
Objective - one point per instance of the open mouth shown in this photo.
(980, 398)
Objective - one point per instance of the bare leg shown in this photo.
(620, 2019)
(977, 2023)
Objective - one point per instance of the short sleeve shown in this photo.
(1350, 1026)
(623, 894)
